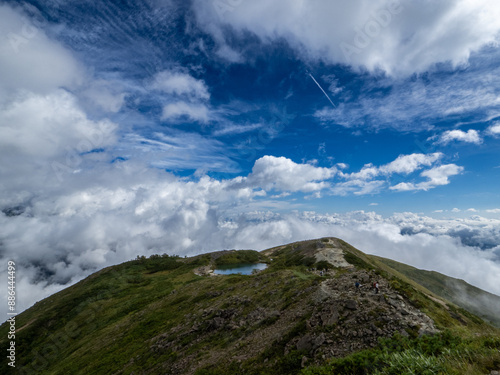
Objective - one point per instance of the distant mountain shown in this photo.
(313, 310)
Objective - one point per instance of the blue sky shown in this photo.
(267, 103)
(138, 127)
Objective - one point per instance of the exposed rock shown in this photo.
(318, 341)
(329, 318)
(305, 343)
(393, 302)
(351, 304)
(303, 362)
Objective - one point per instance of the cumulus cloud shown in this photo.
(494, 129)
(182, 110)
(178, 83)
(367, 180)
(282, 174)
(471, 136)
(45, 136)
(29, 60)
(105, 95)
(406, 164)
(187, 97)
(398, 37)
(436, 176)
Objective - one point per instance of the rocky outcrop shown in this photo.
(346, 318)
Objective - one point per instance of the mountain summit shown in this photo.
(319, 307)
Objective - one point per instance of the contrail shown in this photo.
(321, 88)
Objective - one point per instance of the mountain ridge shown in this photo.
(156, 315)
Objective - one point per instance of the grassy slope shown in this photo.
(109, 322)
(484, 304)
(111, 319)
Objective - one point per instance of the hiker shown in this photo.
(358, 285)
(376, 287)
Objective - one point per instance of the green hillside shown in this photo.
(483, 304)
(303, 314)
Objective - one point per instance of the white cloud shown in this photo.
(358, 187)
(471, 210)
(494, 129)
(282, 174)
(184, 111)
(471, 136)
(177, 83)
(439, 175)
(426, 102)
(45, 136)
(404, 164)
(231, 129)
(407, 164)
(187, 97)
(397, 37)
(31, 61)
(365, 181)
(178, 150)
(105, 95)
(229, 54)
(436, 176)
(494, 211)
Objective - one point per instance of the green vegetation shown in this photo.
(290, 257)
(151, 314)
(240, 256)
(356, 261)
(444, 354)
(115, 318)
(475, 300)
(157, 263)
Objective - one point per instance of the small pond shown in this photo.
(243, 268)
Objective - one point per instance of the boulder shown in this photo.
(351, 304)
(328, 319)
(318, 341)
(305, 343)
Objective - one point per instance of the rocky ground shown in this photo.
(347, 318)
